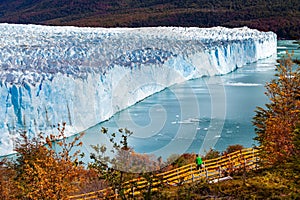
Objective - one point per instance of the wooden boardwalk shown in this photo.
(214, 170)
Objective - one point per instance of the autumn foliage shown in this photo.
(41, 172)
(124, 165)
(49, 167)
(276, 124)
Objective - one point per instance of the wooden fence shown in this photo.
(214, 170)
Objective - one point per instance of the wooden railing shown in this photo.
(214, 170)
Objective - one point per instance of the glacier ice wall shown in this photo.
(82, 76)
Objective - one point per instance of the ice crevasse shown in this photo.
(83, 76)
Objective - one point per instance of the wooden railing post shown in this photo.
(178, 177)
(116, 193)
(192, 173)
(230, 165)
(256, 161)
(132, 190)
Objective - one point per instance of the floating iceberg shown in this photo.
(83, 76)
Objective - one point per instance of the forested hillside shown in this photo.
(283, 17)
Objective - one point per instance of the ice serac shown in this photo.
(83, 76)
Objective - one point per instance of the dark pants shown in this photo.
(199, 167)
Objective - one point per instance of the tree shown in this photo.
(276, 123)
(42, 172)
(7, 186)
(123, 164)
(233, 148)
(211, 154)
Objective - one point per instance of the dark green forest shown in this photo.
(282, 17)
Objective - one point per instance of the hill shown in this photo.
(282, 17)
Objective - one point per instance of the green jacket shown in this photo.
(199, 161)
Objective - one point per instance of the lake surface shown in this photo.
(210, 112)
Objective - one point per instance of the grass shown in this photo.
(271, 183)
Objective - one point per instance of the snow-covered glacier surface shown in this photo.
(82, 76)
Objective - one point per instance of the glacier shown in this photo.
(83, 76)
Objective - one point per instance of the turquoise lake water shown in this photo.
(210, 112)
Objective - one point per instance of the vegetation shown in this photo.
(40, 172)
(263, 184)
(46, 167)
(282, 17)
(276, 124)
(278, 132)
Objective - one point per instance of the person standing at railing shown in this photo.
(199, 162)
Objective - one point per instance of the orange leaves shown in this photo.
(48, 141)
(42, 173)
(276, 123)
(7, 187)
